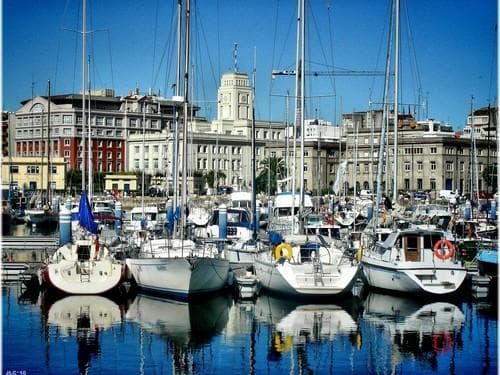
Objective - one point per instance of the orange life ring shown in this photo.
(440, 246)
(441, 342)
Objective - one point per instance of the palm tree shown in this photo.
(272, 169)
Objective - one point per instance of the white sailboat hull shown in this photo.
(413, 277)
(67, 276)
(179, 277)
(299, 279)
(72, 272)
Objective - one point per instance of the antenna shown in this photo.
(235, 56)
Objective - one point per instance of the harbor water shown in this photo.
(367, 333)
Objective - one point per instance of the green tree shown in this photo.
(98, 181)
(490, 176)
(73, 180)
(209, 177)
(272, 169)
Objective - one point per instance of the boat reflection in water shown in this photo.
(417, 329)
(84, 317)
(295, 326)
(185, 326)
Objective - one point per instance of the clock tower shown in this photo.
(234, 97)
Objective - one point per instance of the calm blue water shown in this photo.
(373, 334)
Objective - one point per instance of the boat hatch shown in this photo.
(83, 252)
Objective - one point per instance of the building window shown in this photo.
(99, 121)
(110, 143)
(109, 155)
(433, 150)
(407, 183)
(109, 121)
(420, 184)
(419, 166)
(449, 166)
(33, 169)
(407, 166)
(66, 154)
(14, 169)
(110, 167)
(433, 165)
(67, 119)
(136, 164)
(118, 122)
(433, 184)
(54, 169)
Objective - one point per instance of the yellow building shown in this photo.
(121, 182)
(30, 173)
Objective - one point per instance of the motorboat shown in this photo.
(413, 261)
(285, 213)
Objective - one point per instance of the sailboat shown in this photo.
(299, 264)
(83, 266)
(179, 266)
(413, 260)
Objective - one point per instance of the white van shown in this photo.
(365, 194)
(447, 195)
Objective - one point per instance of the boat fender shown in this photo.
(283, 250)
(359, 254)
(443, 249)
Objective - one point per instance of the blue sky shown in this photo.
(448, 51)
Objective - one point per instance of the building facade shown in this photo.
(32, 173)
(137, 133)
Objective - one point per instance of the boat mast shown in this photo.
(396, 111)
(299, 107)
(300, 74)
(84, 36)
(255, 226)
(385, 115)
(175, 153)
(89, 137)
(184, 124)
(49, 197)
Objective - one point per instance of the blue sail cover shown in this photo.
(86, 218)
